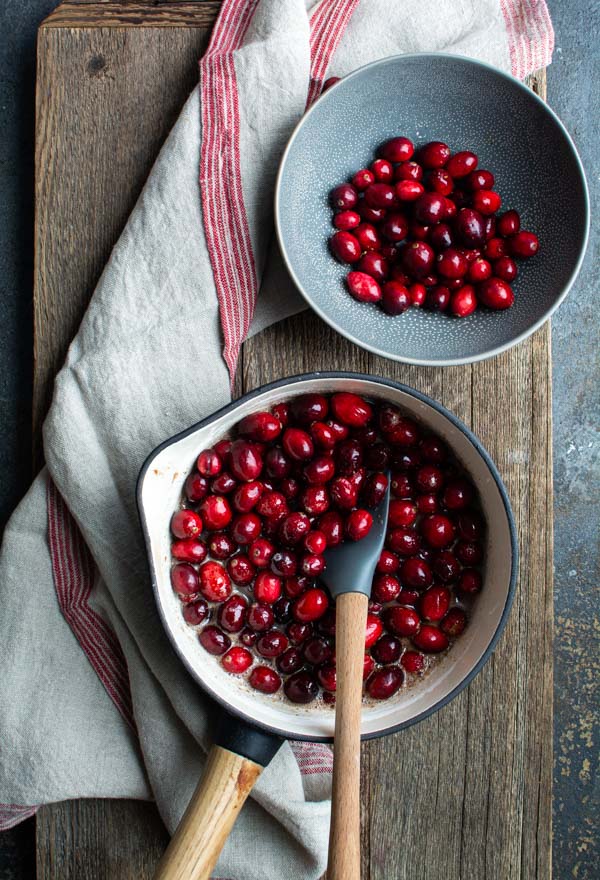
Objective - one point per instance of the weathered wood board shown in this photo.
(466, 794)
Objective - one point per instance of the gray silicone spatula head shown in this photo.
(351, 565)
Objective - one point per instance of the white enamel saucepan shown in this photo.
(252, 724)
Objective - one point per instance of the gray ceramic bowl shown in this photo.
(469, 105)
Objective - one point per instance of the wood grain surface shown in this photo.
(464, 795)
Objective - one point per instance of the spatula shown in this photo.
(348, 575)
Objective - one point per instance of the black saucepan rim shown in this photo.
(340, 374)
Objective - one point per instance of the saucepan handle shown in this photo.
(228, 779)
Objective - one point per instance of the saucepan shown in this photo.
(254, 725)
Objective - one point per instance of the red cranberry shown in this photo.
(246, 461)
(408, 597)
(398, 430)
(370, 215)
(469, 552)
(346, 220)
(232, 614)
(350, 409)
(524, 244)
(358, 524)
(412, 661)
(506, 269)
(310, 605)
(458, 494)
(363, 287)
(189, 550)
(209, 464)
(215, 583)
(446, 566)
(272, 644)
(343, 197)
(435, 603)
(382, 170)
(332, 526)
(469, 227)
(319, 470)
(486, 201)
(362, 179)
(315, 542)
(430, 208)
(402, 621)
(327, 677)
(406, 459)
(241, 570)
(299, 632)
(317, 650)
(294, 585)
(377, 456)
(434, 154)
(451, 208)
(395, 298)
(221, 545)
(186, 524)
(237, 660)
(262, 427)
(479, 179)
(380, 195)
(417, 293)
(470, 526)
(196, 487)
(495, 248)
(272, 505)
(284, 563)
(282, 610)
(408, 171)
(408, 191)
(461, 164)
(479, 270)
(508, 223)
(214, 640)
(384, 682)
(440, 236)
(264, 679)
(343, 493)
(260, 552)
(416, 573)
(463, 302)
(470, 581)
(418, 231)
(301, 687)
(308, 408)
(496, 294)
(373, 264)
(430, 639)
(386, 588)
(374, 489)
(395, 226)
(401, 512)
(277, 465)
(368, 666)
(293, 527)
(345, 247)
(489, 226)
(315, 500)
(195, 612)
(267, 588)
(387, 649)
(437, 530)
(438, 299)
(245, 528)
(323, 436)
(222, 484)
(404, 542)
(312, 565)
(440, 181)
(290, 661)
(454, 622)
(429, 478)
(298, 444)
(398, 149)
(248, 638)
(184, 580)
(388, 562)
(451, 264)
(259, 617)
(427, 503)
(373, 630)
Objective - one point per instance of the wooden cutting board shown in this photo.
(464, 795)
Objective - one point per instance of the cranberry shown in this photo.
(387, 649)
(479, 270)
(496, 294)
(388, 562)
(298, 444)
(402, 621)
(358, 524)
(363, 287)
(451, 208)
(362, 179)
(406, 191)
(402, 512)
(282, 610)
(406, 459)
(430, 639)
(435, 603)
(463, 302)
(408, 597)
(451, 264)
(395, 298)
(489, 226)
(458, 494)
(221, 545)
(373, 264)
(470, 581)
(332, 526)
(350, 409)
(259, 617)
(241, 570)
(398, 430)
(486, 201)
(343, 493)
(469, 227)
(470, 526)
(343, 197)
(440, 236)
(189, 550)
(317, 650)
(184, 580)
(208, 463)
(495, 248)
(523, 244)
(345, 247)
(382, 170)
(232, 614)
(418, 231)
(395, 226)
(469, 552)
(373, 630)
(427, 503)
(346, 220)
(214, 640)
(284, 563)
(384, 682)
(408, 171)
(215, 583)
(374, 489)
(290, 661)
(506, 269)
(380, 195)
(222, 484)
(404, 542)
(272, 505)
(429, 478)
(248, 638)
(294, 585)
(479, 179)
(246, 462)
(430, 208)
(186, 524)
(264, 679)
(377, 456)
(310, 605)
(417, 294)
(315, 542)
(237, 660)
(267, 588)
(277, 465)
(437, 530)
(195, 613)
(299, 632)
(461, 164)
(260, 552)
(272, 644)
(308, 408)
(412, 661)
(315, 500)
(245, 528)
(327, 677)
(370, 215)
(434, 154)
(508, 223)
(398, 149)
(416, 573)
(312, 565)
(293, 528)
(323, 436)
(196, 487)
(446, 566)
(440, 181)
(301, 687)
(454, 622)
(438, 299)
(386, 588)
(368, 666)
(319, 470)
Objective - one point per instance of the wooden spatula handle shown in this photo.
(344, 838)
(196, 845)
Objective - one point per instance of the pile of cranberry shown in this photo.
(261, 509)
(422, 229)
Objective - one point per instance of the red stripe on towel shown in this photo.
(530, 35)
(12, 814)
(327, 25)
(73, 571)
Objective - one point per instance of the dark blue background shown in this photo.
(573, 80)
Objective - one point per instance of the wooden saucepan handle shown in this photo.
(344, 837)
(196, 845)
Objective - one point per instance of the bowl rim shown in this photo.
(445, 362)
(286, 383)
